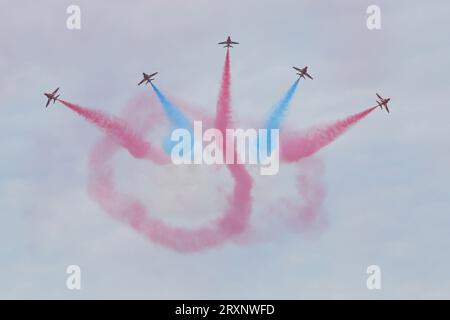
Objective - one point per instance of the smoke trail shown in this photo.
(277, 114)
(176, 118)
(131, 211)
(298, 146)
(308, 216)
(223, 111)
(119, 130)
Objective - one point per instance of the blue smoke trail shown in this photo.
(176, 118)
(276, 116)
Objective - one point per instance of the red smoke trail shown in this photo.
(130, 210)
(298, 146)
(223, 112)
(120, 131)
(308, 216)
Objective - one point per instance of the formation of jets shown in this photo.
(148, 78)
(51, 96)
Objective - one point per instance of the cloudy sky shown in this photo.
(387, 201)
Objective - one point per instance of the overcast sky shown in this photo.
(387, 200)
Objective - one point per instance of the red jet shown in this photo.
(302, 72)
(383, 102)
(228, 43)
(147, 78)
(51, 96)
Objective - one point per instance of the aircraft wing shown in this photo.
(298, 69)
(223, 42)
(48, 102)
(234, 42)
(142, 81)
(153, 74)
(55, 91)
(387, 109)
(307, 74)
(379, 96)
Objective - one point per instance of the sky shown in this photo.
(386, 179)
